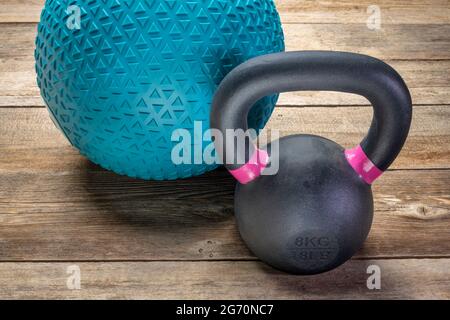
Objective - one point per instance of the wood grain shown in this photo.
(98, 215)
(428, 80)
(20, 10)
(358, 12)
(30, 142)
(400, 279)
(295, 11)
(391, 42)
(424, 149)
(142, 239)
(57, 205)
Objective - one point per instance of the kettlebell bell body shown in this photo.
(311, 216)
(119, 77)
(316, 211)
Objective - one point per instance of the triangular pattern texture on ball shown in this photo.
(137, 70)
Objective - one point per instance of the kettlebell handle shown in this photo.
(317, 71)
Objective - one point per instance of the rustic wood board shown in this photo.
(97, 215)
(48, 192)
(30, 141)
(431, 42)
(296, 11)
(406, 279)
(351, 11)
(428, 80)
(140, 239)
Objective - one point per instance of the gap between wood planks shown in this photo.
(250, 259)
(287, 106)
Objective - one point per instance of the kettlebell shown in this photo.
(316, 211)
(119, 78)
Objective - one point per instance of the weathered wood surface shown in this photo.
(406, 279)
(358, 12)
(297, 11)
(428, 79)
(97, 215)
(30, 141)
(141, 239)
(48, 192)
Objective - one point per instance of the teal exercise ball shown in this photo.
(120, 77)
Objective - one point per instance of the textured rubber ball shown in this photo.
(120, 77)
(304, 205)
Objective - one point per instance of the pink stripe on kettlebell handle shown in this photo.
(362, 165)
(253, 168)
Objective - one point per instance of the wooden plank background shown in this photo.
(228, 280)
(142, 239)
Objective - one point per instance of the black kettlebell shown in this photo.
(316, 212)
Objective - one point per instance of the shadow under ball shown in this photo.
(310, 217)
